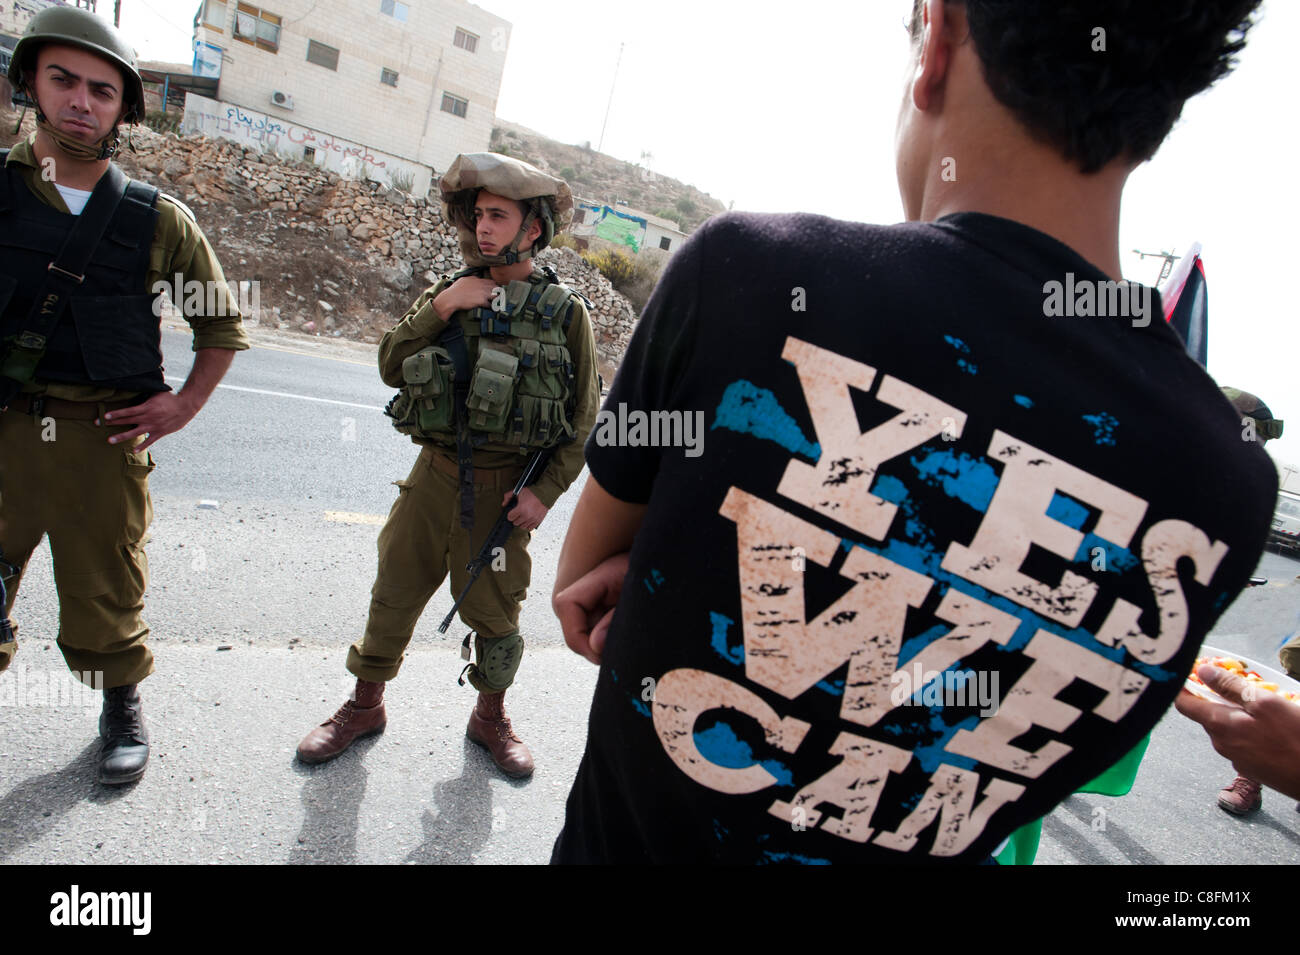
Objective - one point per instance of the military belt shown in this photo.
(42, 407)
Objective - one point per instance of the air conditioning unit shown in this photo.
(282, 100)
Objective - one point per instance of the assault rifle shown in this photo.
(501, 530)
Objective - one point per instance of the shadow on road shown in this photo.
(1130, 848)
(332, 795)
(37, 804)
(464, 821)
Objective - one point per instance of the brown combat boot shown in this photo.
(490, 728)
(362, 715)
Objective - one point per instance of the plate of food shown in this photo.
(1262, 678)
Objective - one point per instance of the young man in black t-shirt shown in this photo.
(962, 509)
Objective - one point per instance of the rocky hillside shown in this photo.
(604, 179)
(328, 256)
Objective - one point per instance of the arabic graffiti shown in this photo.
(264, 131)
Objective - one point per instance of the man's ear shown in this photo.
(934, 58)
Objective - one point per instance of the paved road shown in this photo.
(296, 454)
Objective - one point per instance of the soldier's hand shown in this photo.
(586, 607)
(165, 413)
(466, 292)
(528, 513)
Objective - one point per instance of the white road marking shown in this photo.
(285, 394)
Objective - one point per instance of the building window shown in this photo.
(665, 242)
(322, 55)
(465, 40)
(256, 26)
(214, 15)
(454, 105)
(387, 77)
(392, 8)
(308, 154)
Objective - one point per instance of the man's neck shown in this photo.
(66, 170)
(1018, 178)
(519, 272)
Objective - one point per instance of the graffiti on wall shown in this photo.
(214, 118)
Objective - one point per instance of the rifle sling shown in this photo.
(453, 339)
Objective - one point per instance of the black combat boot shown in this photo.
(125, 752)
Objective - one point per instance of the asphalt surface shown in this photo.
(263, 552)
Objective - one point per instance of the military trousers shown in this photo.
(60, 477)
(421, 545)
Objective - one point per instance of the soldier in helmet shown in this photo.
(494, 361)
(85, 254)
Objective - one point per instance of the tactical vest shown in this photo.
(110, 334)
(521, 379)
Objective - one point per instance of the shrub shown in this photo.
(401, 181)
(161, 122)
(615, 265)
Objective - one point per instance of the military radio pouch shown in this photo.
(428, 402)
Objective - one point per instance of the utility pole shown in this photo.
(117, 13)
(601, 144)
(1168, 265)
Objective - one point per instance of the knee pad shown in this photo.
(497, 663)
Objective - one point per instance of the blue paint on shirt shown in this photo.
(1103, 427)
(969, 367)
(962, 476)
(1071, 513)
(718, 639)
(770, 856)
(890, 489)
(1116, 559)
(720, 745)
(958, 344)
(833, 687)
(1067, 511)
(748, 409)
(1023, 401)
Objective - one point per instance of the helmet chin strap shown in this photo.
(104, 149)
(512, 254)
(74, 148)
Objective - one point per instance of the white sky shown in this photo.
(741, 99)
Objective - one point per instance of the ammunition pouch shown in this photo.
(492, 390)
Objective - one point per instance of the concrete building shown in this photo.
(397, 88)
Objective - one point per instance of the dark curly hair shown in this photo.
(1039, 61)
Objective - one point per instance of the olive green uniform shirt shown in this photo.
(421, 325)
(179, 246)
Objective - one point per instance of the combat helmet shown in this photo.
(1266, 426)
(73, 26)
(549, 200)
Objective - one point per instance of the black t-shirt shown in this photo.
(946, 552)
